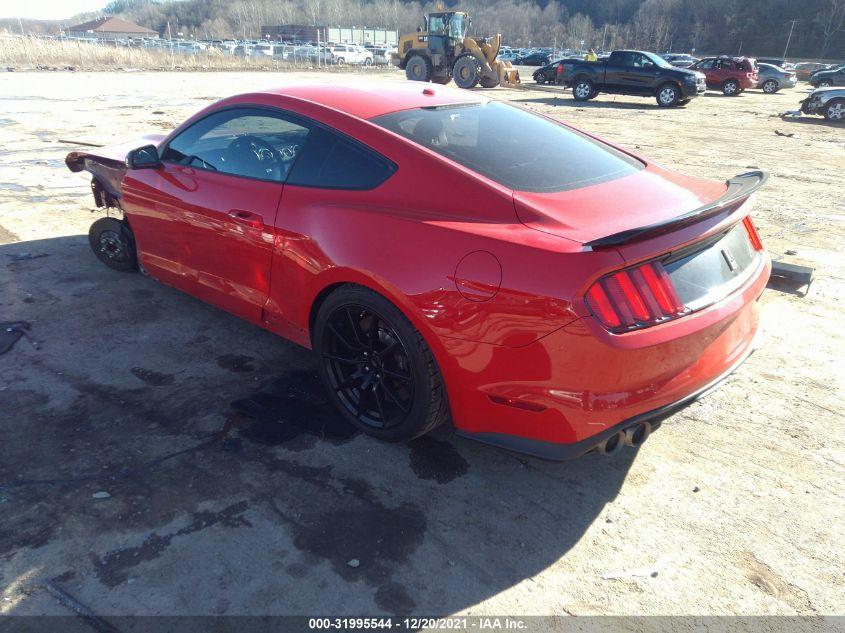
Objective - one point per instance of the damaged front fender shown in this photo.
(107, 165)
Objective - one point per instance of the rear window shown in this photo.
(332, 161)
(515, 148)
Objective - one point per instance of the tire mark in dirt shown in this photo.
(766, 579)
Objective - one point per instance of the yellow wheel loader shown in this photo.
(441, 51)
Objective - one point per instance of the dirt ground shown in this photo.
(734, 506)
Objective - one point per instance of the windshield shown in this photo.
(457, 26)
(657, 59)
(515, 148)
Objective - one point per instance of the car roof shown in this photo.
(366, 100)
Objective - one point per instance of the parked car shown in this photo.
(350, 54)
(620, 291)
(773, 78)
(829, 102)
(632, 73)
(533, 59)
(548, 74)
(731, 75)
(827, 78)
(804, 70)
(381, 56)
(682, 60)
(773, 61)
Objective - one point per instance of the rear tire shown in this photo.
(467, 71)
(835, 111)
(770, 86)
(377, 368)
(113, 244)
(418, 68)
(583, 90)
(668, 95)
(731, 88)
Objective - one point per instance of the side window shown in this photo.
(248, 142)
(332, 161)
(706, 64)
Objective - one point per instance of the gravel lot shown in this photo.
(734, 506)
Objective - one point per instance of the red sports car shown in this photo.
(452, 259)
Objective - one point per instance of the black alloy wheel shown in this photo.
(377, 368)
(368, 367)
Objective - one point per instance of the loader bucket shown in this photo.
(508, 75)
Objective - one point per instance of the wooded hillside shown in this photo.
(754, 27)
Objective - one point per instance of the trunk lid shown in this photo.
(651, 195)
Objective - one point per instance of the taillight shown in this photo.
(635, 298)
(753, 236)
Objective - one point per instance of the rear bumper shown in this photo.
(565, 393)
(561, 452)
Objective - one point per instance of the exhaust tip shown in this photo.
(637, 434)
(612, 444)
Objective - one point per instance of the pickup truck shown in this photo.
(632, 73)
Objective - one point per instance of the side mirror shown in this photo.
(143, 158)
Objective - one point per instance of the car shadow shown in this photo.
(811, 120)
(593, 103)
(177, 408)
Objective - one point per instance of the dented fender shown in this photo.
(108, 166)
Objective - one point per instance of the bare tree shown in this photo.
(832, 20)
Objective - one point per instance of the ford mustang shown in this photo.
(451, 259)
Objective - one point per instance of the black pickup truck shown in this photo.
(632, 73)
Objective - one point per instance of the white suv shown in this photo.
(350, 54)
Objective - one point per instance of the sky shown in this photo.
(47, 9)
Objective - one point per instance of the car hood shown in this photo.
(681, 71)
(827, 93)
(649, 196)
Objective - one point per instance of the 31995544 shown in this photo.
(417, 623)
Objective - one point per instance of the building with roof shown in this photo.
(110, 28)
(335, 35)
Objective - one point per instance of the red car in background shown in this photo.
(540, 290)
(731, 75)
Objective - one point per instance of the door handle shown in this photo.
(247, 217)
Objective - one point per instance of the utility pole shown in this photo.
(789, 38)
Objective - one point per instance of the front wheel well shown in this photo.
(667, 82)
(411, 53)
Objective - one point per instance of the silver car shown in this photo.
(773, 78)
(829, 102)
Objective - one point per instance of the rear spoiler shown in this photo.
(739, 188)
